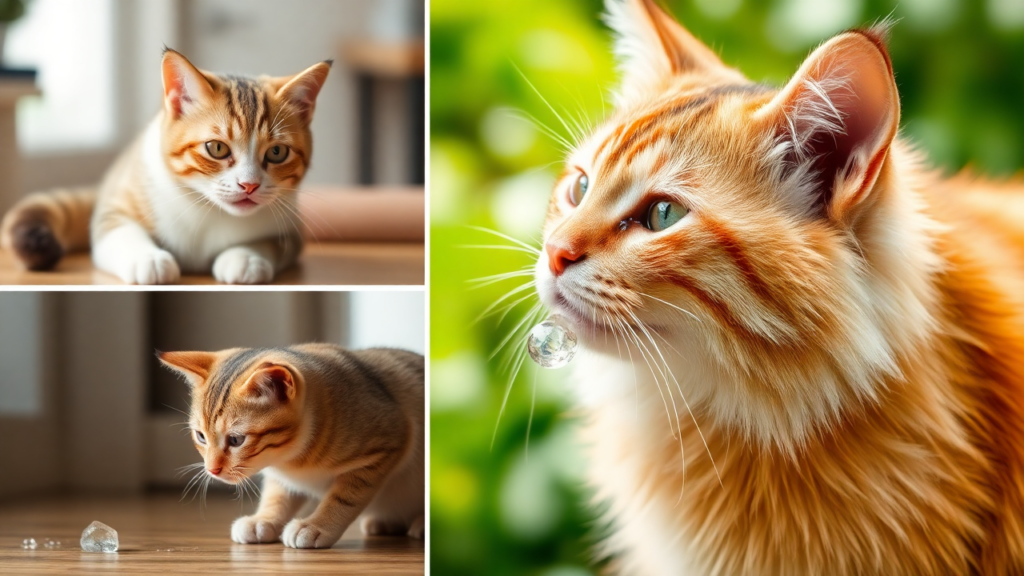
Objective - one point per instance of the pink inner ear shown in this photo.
(275, 382)
(841, 111)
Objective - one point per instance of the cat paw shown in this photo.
(373, 526)
(417, 528)
(306, 534)
(242, 266)
(152, 267)
(253, 530)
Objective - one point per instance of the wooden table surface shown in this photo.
(160, 535)
(321, 264)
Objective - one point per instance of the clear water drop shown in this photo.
(552, 343)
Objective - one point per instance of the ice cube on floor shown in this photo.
(552, 343)
(98, 537)
(28, 543)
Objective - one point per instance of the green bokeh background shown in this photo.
(502, 510)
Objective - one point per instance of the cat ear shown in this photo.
(837, 118)
(651, 47)
(194, 366)
(271, 382)
(302, 89)
(184, 85)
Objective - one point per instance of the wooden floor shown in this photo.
(321, 264)
(160, 535)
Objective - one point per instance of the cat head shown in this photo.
(240, 142)
(246, 408)
(743, 224)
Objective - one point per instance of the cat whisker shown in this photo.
(491, 308)
(687, 312)
(549, 106)
(519, 355)
(532, 249)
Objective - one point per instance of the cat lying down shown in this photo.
(209, 186)
(318, 421)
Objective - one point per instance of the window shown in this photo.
(71, 43)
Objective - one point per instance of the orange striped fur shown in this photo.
(819, 368)
(319, 421)
(171, 203)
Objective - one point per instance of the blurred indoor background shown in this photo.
(98, 64)
(506, 510)
(86, 408)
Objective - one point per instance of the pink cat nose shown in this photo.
(560, 257)
(249, 187)
(215, 471)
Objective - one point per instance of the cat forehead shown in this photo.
(675, 115)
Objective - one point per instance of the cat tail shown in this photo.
(44, 226)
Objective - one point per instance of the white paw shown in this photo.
(151, 267)
(242, 266)
(305, 534)
(253, 530)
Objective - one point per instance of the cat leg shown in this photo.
(129, 253)
(277, 506)
(256, 262)
(342, 504)
(397, 509)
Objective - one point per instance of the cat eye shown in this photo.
(235, 440)
(664, 214)
(277, 154)
(578, 188)
(217, 149)
(200, 437)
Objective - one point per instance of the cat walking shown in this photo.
(345, 427)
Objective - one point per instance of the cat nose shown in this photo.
(559, 258)
(249, 187)
(216, 470)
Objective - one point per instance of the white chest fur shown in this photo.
(313, 483)
(194, 230)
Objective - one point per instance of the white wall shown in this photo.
(394, 319)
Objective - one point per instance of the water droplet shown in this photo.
(552, 343)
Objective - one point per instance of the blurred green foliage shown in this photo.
(496, 510)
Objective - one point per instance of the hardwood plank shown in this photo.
(160, 535)
(321, 263)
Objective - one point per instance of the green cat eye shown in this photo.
(664, 214)
(277, 154)
(578, 188)
(218, 149)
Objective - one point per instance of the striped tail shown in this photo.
(44, 226)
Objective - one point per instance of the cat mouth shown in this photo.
(245, 204)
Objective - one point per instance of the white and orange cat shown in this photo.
(345, 427)
(803, 352)
(210, 185)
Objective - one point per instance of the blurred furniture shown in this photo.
(374, 61)
(13, 85)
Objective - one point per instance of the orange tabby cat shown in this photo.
(319, 421)
(803, 351)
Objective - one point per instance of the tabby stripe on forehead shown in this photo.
(224, 378)
(248, 103)
(630, 143)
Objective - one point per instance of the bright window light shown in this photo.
(71, 43)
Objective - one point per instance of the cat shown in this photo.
(802, 351)
(342, 426)
(209, 185)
